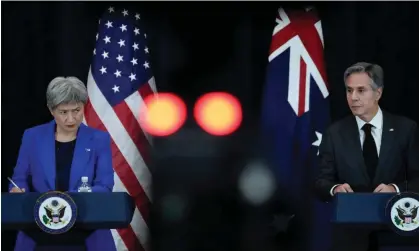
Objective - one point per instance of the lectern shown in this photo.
(94, 211)
(371, 210)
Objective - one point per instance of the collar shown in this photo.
(377, 121)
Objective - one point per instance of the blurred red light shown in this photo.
(163, 114)
(218, 113)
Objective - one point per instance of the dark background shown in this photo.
(195, 48)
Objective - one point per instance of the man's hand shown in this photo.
(344, 188)
(383, 188)
(17, 190)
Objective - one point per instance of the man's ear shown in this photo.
(379, 92)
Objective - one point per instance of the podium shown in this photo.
(94, 211)
(367, 210)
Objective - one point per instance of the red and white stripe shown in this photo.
(302, 34)
(130, 146)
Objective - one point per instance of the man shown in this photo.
(371, 151)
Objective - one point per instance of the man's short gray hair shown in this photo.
(374, 71)
(63, 90)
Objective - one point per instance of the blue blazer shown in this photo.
(92, 158)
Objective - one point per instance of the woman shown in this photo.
(54, 156)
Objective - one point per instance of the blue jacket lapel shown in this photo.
(47, 151)
(82, 153)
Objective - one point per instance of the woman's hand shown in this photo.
(17, 190)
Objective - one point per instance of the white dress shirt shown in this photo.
(376, 131)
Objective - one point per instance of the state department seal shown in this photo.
(402, 213)
(55, 212)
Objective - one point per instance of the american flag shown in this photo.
(295, 111)
(119, 78)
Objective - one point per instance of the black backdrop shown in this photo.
(197, 47)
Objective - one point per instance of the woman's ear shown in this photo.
(50, 110)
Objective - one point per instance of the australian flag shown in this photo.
(295, 114)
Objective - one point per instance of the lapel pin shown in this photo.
(87, 149)
(391, 129)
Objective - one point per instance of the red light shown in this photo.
(218, 113)
(163, 114)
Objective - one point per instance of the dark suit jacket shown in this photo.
(341, 159)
